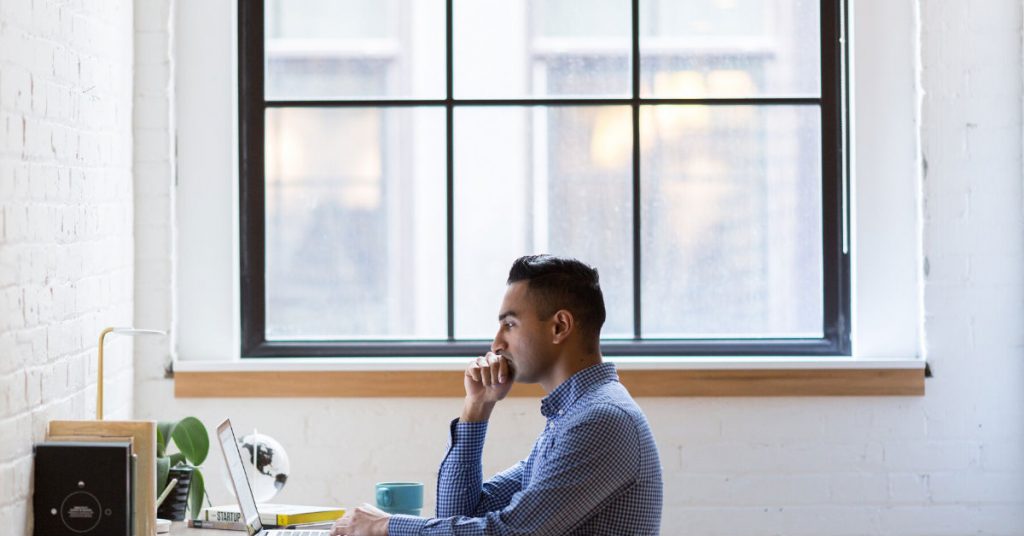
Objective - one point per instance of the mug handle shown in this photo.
(384, 497)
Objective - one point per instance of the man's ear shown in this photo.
(563, 324)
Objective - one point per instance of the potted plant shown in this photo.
(193, 444)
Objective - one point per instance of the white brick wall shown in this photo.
(66, 259)
(948, 463)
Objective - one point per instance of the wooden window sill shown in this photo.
(310, 379)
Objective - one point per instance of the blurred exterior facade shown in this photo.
(355, 196)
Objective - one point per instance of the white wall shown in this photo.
(66, 255)
(951, 462)
(155, 178)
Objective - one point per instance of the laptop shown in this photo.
(246, 501)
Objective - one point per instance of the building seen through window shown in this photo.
(355, 196)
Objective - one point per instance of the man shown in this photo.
(593, 470)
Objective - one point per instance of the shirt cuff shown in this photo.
(399, 525)
(467, 441)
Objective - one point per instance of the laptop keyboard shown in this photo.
(298, 533)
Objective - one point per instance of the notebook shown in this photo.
(240, 482)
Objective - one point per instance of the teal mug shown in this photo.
(400, 497)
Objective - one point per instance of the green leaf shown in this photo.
(164, 429)
(163, 466)
(177, 459)
(195, 493)
(192, 440)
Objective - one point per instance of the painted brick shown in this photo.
(15, 437)
(776, 422)
(924, 455)
(1003, 456)
(65, 146)
(12, 394)
(834, 520)
(153, 78)
(152, 142)
(155, 18)
(936, 520)
(16, 13)
(749, 490)
(23, 476)
(8, 348)
(16, 513)
(691, 426)
(152, 112)
(762, 521)
(977, 488)
(7, 480)
(908, 488)
(1000, 519)
(858, 488)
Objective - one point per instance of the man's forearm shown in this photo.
(473, 411)
(460, 487)
(460, 476)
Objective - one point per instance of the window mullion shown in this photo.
(635, 38)
(450, 168)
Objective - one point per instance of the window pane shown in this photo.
(517, 48)
(729, 48)
(355, 223)
(541, 180)
(731, 221)
(325, 49)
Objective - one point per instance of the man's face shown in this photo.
(522, 337)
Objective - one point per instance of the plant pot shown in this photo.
(175, 505)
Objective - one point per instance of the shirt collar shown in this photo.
(577, 384)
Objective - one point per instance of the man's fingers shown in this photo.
(490, 370)
(503, 375)
(485, 373)
(341, 524)
(473, 371)
(495, 362)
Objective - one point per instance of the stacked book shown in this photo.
(271, 515)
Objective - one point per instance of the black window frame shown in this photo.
(833, 103)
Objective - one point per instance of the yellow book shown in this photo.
(276, 514)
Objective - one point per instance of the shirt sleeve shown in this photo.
(460, 490)
(593, 462)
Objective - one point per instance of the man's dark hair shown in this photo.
(562, 283)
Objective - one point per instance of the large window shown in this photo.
(397, 155)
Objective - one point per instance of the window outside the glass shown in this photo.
(409, 150)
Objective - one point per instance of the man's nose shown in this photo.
(498, 344)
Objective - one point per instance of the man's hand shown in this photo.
(488, 379)
(366, 520)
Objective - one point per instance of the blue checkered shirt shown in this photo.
(594, 470)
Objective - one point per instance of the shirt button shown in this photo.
(561, 412)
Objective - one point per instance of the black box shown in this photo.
(83, 488)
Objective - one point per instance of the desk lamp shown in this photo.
(132, 332)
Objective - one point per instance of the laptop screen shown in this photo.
(233, 458)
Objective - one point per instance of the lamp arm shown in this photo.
(99, 376)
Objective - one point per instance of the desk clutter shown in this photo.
(275, 515)
(100, 478)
